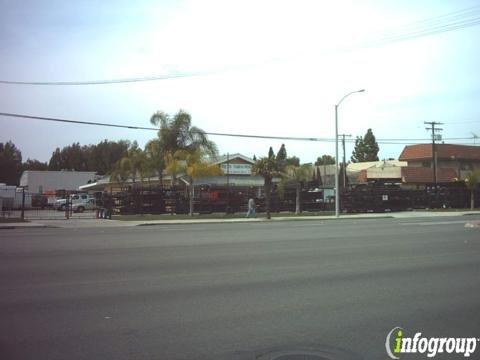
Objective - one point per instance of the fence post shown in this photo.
(67, 206)
(23, 204)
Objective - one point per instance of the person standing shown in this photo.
(251, 208)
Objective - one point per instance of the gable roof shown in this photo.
(444, 151)
(223, 158)
(375, 164)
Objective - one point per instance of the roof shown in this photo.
(377, 164)
(424, 175)
(223, 158)
(233, 181)
(444, 151)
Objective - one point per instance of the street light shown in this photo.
(337, 197)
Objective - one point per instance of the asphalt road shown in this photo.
(236, 291)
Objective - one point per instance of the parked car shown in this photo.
(82, 206)
(82, 201)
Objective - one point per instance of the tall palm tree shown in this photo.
(298, 174)
(177, 133)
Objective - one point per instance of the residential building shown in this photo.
(462, 159)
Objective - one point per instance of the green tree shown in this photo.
(103, 156)
(177, 133)
(282, 156)
(267, 167)
(122, 171)
(138, 162)
(298, 175)
(197, 167)
(292, 161)
(155, 157)
(33, 164)
(325, 160)
(271, 154)
(471, 182)
(174, 165)
(10, 163)
(133, 164)
(366, 148)
(55, 162)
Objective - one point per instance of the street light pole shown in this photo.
(337, 193)
(337, 200)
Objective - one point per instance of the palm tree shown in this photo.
(192, 165)
(298, 174)
(174, 165)
(177, 133)
(266, 167)
(155, 157)
(138, 161)
(122, 171)
(196, 167)
(471, 182)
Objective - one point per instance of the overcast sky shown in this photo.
(274, 68)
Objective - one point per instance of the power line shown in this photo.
(156, 129)
(91, 123)
(448, 22)
(76, 121)
(456, 20)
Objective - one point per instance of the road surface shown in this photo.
(236, 291)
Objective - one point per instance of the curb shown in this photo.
(10, 227)
(257, 220)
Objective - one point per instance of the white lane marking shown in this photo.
(305, 225)
(161, 228)
(428, 223)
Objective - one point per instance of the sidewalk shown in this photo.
(103, 223)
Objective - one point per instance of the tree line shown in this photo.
(100, 158)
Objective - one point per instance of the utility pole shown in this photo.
(433, 128)
(344, 160)
(337, 193)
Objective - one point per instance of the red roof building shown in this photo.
(450, 159)
(444, 152)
